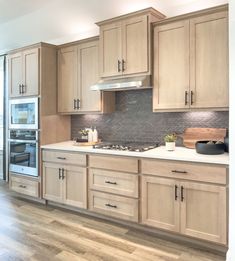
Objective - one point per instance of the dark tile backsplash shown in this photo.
(134, 120)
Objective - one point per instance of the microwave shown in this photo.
(23, 113)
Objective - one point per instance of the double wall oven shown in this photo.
(23, 136)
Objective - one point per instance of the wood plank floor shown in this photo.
(31, 231)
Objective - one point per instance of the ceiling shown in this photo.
(24, 22)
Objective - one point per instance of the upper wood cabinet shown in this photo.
(24, 73)
(191, 63)
(125, 44)
(77, 71)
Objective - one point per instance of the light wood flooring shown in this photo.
(31, 231)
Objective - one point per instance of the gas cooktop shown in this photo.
(126, 146)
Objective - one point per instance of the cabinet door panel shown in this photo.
(209, 60)
(135, 45)
(75, 186)
(31, 72)
(171, 66)
(203, 212)
(52, 185)
(155, 213)
(110, 49)
(15, 74)
(88, 74)
(67, 79)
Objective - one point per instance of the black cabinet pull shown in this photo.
(78, 104)
(186, 98)
(61, 158)
(191, 98)
(22, 186)
(23, 88)
(60, 175)
(176, 192)
(123, 65)
(74, 104)
(179, 171)
(110, 182)
(119, 66)
(110, 206)
(182, 193)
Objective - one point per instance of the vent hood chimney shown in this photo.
(132, 83)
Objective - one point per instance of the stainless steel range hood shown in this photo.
(131, 83)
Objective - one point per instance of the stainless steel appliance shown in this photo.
(23, 152)
(23, 113)
(126, 146)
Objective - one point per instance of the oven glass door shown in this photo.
(24, 113)
(23, 147)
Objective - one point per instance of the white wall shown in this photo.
(231, 252)
(26, 22)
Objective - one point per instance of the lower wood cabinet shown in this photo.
(191, 208)
(65, 184)
(23, 185)
(113, 205)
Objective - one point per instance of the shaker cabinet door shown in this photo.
(171, 66)
(135, 45)
(111, 50)
(15, 74)
(67, 79)
(203, 211)
(209, 61)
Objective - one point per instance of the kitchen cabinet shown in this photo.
(191, 62)
(125, 44)
(24, 73)
(192, 208)
(77, 71)
(65, 178)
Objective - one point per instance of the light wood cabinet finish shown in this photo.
(24, 73)
(114, 182)
(24, 186)
(185, 170)
(125, 44)
(112, 205)
(191, 62)
(52, 183)
(65, 184)
(67, 79)
(191, 208)
(209, 61)
(203, 212)
(171, 59)
(160, 208)
(114, 163)
(64, 157)
(78, 71)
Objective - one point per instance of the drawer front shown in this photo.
(116, 206)
(24, 186)
(185, 170)
(64, 157)
(114, 182)
(114, 163)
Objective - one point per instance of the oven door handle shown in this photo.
(25, 141)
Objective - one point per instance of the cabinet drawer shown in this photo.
(64, 157)
(114, 163)
(114, 182)
(24, 186)
(116, 206)
(185, 170)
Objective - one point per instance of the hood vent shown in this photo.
(132, 83)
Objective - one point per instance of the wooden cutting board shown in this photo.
(192, 135)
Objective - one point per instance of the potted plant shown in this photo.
(84, 134)
(170, 141)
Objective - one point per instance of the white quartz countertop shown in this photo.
(180, 153)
